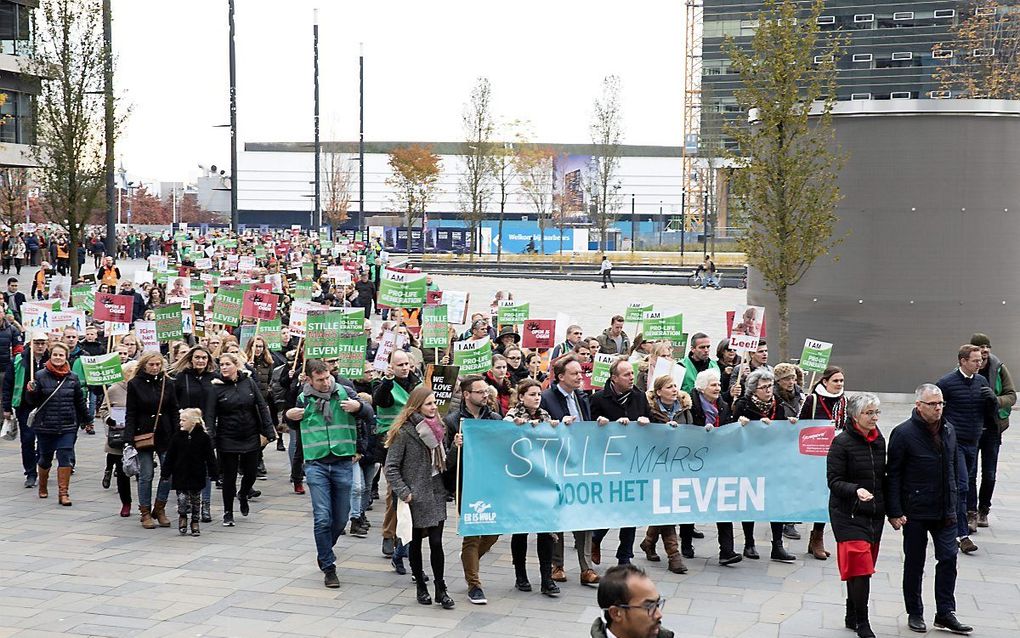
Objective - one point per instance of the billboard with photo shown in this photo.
(569, 173)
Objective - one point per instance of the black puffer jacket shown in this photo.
(922, 482)
(143, 392)
(698, 412)
(237, 413)
(9, 337)
(192, 390)
(189, 459)
(855, 463)
(65, 411)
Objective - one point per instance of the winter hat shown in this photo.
(784, 370)
(979, 340)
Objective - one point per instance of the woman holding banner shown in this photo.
(415, 464)
(827, 402)
(193, 376)
(529, 410)
(149, 424)
(759, 404)
(669, 405)
(855, 470)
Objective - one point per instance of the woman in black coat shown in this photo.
(57, 394)
(151, 409)
(855, 470)
(237, 415)
(193, 376)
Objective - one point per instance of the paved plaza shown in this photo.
(84, 571)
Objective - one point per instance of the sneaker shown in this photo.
(476, 596)
(30, 482)
(228, 519)
(107, 476)
(244, 506)
(357, 530)
(968, 546)
(330, 580)
(790, 532)
(398, 565)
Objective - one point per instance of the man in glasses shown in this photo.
(631, 605)
(921, 496)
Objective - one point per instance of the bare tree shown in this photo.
(535, 167)
(70, 115)
(602, 182)
(505, 173)
(13, 195)
(339, 171)
(476, 183)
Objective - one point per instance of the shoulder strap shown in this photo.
(52, 393)
(159, 406)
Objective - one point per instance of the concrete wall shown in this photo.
(932, 204)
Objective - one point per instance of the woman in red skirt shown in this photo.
(855, 472)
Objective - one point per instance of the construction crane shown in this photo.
(695, 175)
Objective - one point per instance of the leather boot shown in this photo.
(159, 513)
(972, 522)
(850, 621)
(670, 543)
(816, 546)
(676, 564)
(442, 597)
(44, 479)
(64, 485)
(146, 513)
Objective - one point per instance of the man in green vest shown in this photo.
(697, 360)
(328, 411)
(389, 398)
(21, 370)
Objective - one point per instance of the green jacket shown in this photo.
(322, 436)
(691, 373)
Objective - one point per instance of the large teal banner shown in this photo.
(542, 478)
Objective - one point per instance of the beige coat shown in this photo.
(117, 394)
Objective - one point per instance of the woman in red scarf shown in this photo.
(499, 378)
(59, 402)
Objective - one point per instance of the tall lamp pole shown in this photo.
(234, 220)
(317, 213)
(361, 142)
(111, 211)
(633, 226)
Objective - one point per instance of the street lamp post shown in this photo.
(683, 223)
(111, 220)
(704, 219)
(633, 226)
(317, 213)
(361, 142)
(234, 220)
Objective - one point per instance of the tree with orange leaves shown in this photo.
(415, 180)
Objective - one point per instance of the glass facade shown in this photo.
(18, 115)
(891, 53)
(15, 29)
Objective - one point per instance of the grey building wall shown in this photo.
(931, 202)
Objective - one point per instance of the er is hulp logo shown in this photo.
(815, 440)
(480, 513)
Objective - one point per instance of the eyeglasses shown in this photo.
(513, 358)
(485, 391)
(764, 387)
(934, 404)
(872, 412)
(649, 606)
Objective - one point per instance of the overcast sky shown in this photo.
(545, 60)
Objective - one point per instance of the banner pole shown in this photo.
(31, 363)
(460, 460)
(297, 352)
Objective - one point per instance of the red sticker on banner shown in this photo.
(815, 440)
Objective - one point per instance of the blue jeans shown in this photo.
(915, 549)
(361, 494)
(329, 486)
(146, 472)
(966, 471)
(29, 455)
(988, 446)
(60, 444)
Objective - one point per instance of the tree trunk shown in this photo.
(423, 233)
(72, 240)
(499, 244)
(474, 243)
(408, 248)
(541, 231)
(784, 323)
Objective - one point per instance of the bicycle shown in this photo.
(697, 280)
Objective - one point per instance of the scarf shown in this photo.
(837, 413)
(58, 372)
(431, 432)
(711, 411)
(765, 408)
(620, 399)
(868, 436)
(320, 400)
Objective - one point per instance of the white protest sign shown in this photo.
(246, 263)
(665, 367)
(146, 331)
(387, 345)
(143, 277)
(158, 263)
(115, 328)
(203, 264)
(68, 319)
(456, 302)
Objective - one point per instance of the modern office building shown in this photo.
(894, 48)
(19, 82)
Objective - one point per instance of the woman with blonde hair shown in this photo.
(134, 347)
(193, 375)
(261, 363)
(415, 464)
(149, 423)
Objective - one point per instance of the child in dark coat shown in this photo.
(188, 461)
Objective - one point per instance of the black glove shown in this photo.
(988, 394)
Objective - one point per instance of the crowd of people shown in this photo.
(197, 414)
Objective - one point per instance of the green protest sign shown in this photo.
(104, 369)
(84, 297)
(473, 356)
(659, 327)
(227, 307)
(227, 243)
(303, 290)
(600, 370)
(260, 251)
(269, 329)
(351, 360)
(815, 356)
(512, 314)
(197, 288)
(435, 327)
(325, 332)
(308, 271)
(169, 323)
(402, 289)
(636, 312)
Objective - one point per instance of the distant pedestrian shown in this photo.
(606, 270)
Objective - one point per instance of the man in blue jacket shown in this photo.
(969, 401)
(922, 488)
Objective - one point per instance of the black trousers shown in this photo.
(915, 549)
(519, 553)
(607, 276)
(231, 462)
(436, 555)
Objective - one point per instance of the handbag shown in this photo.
(9, 432)
(148, 441)
(35, 411)
(129, 462)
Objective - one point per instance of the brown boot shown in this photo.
(648, 544)
(64, 485)
(146, 513)
(44, 479)
(159, 513)
(676, 564)
(816, 546)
